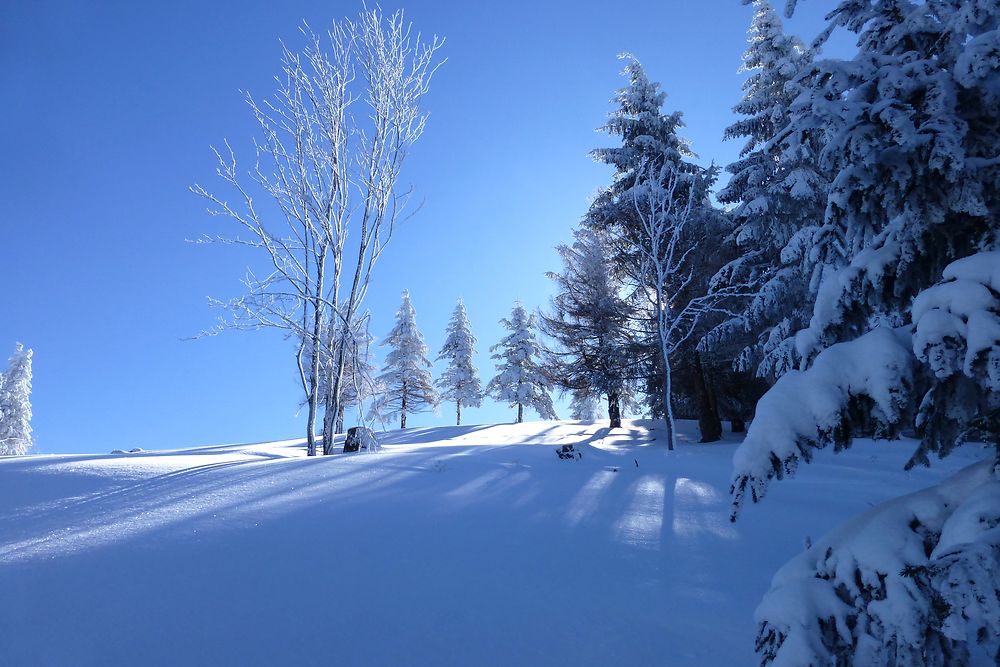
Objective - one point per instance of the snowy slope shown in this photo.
(454, 546)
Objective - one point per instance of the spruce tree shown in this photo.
(913, 145)
(460, 381)
(406, 380)
(903, 335)
(589, 320)
(520, 381)
(650, 144)
(15, 404)
(779, 198)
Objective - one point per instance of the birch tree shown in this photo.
(327, 168)
(665, 201)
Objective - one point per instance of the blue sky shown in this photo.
(109, 112)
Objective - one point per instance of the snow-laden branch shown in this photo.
(869, 386)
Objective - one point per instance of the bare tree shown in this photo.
(666, 200)
(397, 67)
(330, 177)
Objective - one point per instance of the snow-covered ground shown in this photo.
(454, 546)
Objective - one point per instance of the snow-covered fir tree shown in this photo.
(906, 335)
(779, 198)
(916, 580)
(459, 383)
(650, 143)
(912, 144)
(406, 382)
(520, 381)
(15, 404)
(589, 321)
(649, 136)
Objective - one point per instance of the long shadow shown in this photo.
(146, 495)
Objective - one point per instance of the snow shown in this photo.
(876, 562)
(806, 409)
(960, 315)
(454, 546)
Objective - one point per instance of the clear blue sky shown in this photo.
(109, 112)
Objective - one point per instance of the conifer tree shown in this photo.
(913, 146)
(15, 404)
(903, 335)
(519, 381)
(460, 381)
(779, 197)
(650, 144)
(589, 321)
(584, 406)
(405, 378)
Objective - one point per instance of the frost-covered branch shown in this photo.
(328, 174)
(941, 374)
(665, 201)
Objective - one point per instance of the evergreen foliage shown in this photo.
(912, 140)
(15, 404)
(460, 381)
(520, 381)
(406, 381)
(589, 320)
(904, 333)
(779, 198)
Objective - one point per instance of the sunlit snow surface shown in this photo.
(454, 546)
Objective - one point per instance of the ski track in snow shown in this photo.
(453, 546)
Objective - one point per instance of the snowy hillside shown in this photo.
(454, 546)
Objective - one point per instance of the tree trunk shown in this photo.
(333, 407)
(311, 428)
(458, 413)
(402, 410)
(520, 413)
(668, 408)
(708, 417)
(737, 426)
(340, 417)
(614, 409)
(316, 343)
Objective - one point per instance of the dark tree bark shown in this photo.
(340, 418)
(402, 410)
(708, 415)
(520, 413)
(614, 409)
(737, 426)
